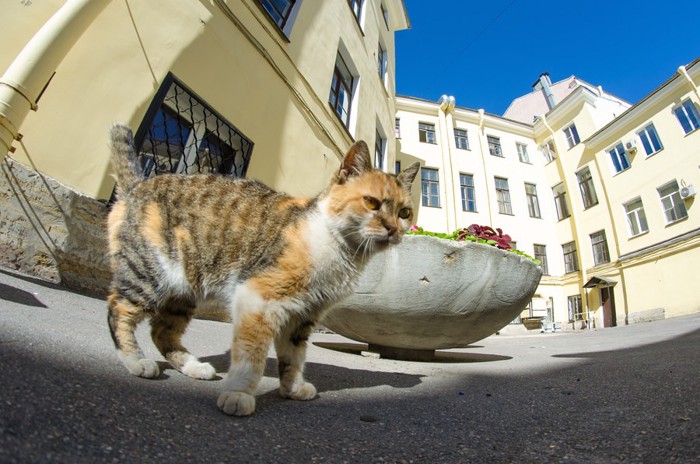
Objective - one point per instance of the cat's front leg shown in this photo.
(290, 345)
(253, 334)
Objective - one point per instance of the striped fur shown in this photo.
(275, 262)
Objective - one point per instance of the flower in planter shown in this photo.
(493, 237)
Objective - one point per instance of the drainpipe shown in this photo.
(30, 73)
(480, 136)
(447, 105)
(683, 72)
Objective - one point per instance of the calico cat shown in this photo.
(274, 261)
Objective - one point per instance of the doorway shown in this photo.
(607, 300)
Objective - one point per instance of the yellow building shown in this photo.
(601, 191)
(276, 91)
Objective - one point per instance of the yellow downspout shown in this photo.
(31, 71)
(487, 173)
(447, 105)
(683, 72)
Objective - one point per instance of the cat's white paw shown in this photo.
(235, 403)
(146, 368)
(304, 392)
(199, 370)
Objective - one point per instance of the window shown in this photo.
(618, 156)
(357, 6)
(522, 152)
(650, 139)
(636, 219)
(495, 146)
(600, 248)
(397, 167)
(382, 63)
(687, 115)
(575, 308)
(585, 184)
(341, 90)
(503, 196)
(379, 150)
(430, 187)
(571, 134)
(541, 256)
(672, 203)
(461, 139)
(397, 127)
(548, 150)
(385, 15)
(560, 201)
(570, 259)
(466, 185)
(533, 205)
(182, 134)
(426, 132)
(279, 10)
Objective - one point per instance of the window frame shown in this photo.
(282, 20)
(599, 245)
(560, 204)
(466, 186)
(495, 148)
(533, 202)
(676, 201)
(571, 135)
(571, 264)
(358, 10)
(426, 131)
(428, 193)
(639, 216)
(523, 155)
(382, 63)
(379, 150)
(461, 139)
(617, 154)
(587, 187)
(648, 141)
(691, 115)
(505, 205)
(540, 253)
(549, 150)
(338, 83)
(575, 302)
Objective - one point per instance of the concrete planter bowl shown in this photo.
(429, 293)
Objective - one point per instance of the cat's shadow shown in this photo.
(327, 377)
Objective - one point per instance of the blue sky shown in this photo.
(487, 53)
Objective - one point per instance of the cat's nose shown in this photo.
(390, 229)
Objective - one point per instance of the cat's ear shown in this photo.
(357, 161)
(407, 176)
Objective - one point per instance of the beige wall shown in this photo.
(275, 90)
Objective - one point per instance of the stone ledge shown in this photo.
(649, 315)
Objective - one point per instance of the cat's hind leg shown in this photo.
(123, 317)
(167, 328)
(290, 345)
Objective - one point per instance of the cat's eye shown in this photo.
(405, 213)
(372, 203)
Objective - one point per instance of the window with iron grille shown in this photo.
(541, 255)
(426, 132)
(430, 187)
(533, 204)
(279, 10)
(585, 184)
(570, 258)
(466, 186)
(183, 134)
(461, 139)
(342, 87)
(503, 196)
(494, 146)
(599, 243)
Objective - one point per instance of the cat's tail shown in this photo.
(127, 173)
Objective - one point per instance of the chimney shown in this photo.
(544, 84)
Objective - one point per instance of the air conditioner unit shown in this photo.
(687, 191)
(631, 146)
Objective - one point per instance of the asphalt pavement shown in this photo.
(626, 394)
